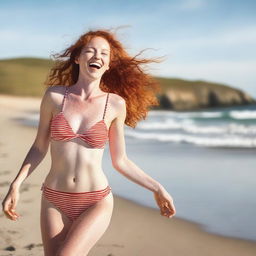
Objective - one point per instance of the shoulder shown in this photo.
(53, 95)
(118, 104)
(55, 92)
(117, 101)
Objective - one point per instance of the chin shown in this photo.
(96, 76)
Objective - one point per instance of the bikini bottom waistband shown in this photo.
(44, 187)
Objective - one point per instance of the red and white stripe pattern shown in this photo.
(73, 204)
(96, 136)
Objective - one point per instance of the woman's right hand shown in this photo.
(10, 202)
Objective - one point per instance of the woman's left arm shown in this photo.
(129, 169)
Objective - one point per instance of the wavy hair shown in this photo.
(124, 77)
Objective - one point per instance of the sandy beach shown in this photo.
(134, 230)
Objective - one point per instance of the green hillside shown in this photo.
(26, 77)
(23, 76)
(181, 84)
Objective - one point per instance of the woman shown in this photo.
(95, 88)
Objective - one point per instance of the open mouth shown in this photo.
(95, 65)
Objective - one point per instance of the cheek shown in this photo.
(83, 60)
(86, 57)
(106, 61)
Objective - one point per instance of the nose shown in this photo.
(97, 55)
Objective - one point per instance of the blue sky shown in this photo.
(210, 40)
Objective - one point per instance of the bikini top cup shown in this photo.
(96, 136)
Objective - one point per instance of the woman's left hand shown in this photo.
(165, 202)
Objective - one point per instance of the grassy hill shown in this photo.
(181, 84)
(26, 76)
(23, 76)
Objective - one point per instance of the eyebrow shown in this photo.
(95, 48)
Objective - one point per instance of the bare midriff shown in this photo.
(75, 167)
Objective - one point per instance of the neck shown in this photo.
(87, 88)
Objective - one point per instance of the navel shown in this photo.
(74, 179)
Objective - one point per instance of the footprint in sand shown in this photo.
(31, 246)
(12, 232)
(5, 183)
(10, 248)
(26, 187)
(5, 172)
(27, 201)
(3, 155)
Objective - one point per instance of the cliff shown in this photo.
(25, 77)
(178, 94)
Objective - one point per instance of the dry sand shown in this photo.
(134, 230)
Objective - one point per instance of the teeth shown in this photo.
(95, 64)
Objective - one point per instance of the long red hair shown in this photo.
(125, 76)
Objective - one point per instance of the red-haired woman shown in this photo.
(94, 89)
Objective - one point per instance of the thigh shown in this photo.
(88, 228)
(54, 227)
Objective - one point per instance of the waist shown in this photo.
(74, 181)
(103, 190)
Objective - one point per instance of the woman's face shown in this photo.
(94, 58)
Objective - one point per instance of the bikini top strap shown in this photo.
(63, 101)
(105, 106)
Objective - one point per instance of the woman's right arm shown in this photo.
(34, 156)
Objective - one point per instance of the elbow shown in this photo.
(119, 164)
(41, 147)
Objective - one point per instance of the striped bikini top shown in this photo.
(96, 136)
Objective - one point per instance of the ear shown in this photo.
(76, 60)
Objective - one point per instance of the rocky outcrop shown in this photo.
(200, 96)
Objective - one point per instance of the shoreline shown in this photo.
(130, 230)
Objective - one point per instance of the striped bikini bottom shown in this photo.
(73, 204)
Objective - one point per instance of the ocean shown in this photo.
(205, 159)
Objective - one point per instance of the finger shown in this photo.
(173, 210)
(164, 214)
(7, 212)
(6, 207)
(171, 206)
(166, 211)
(167, 215)
(14, 203)
(9, 215)
(11, 212)
(14, 213)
